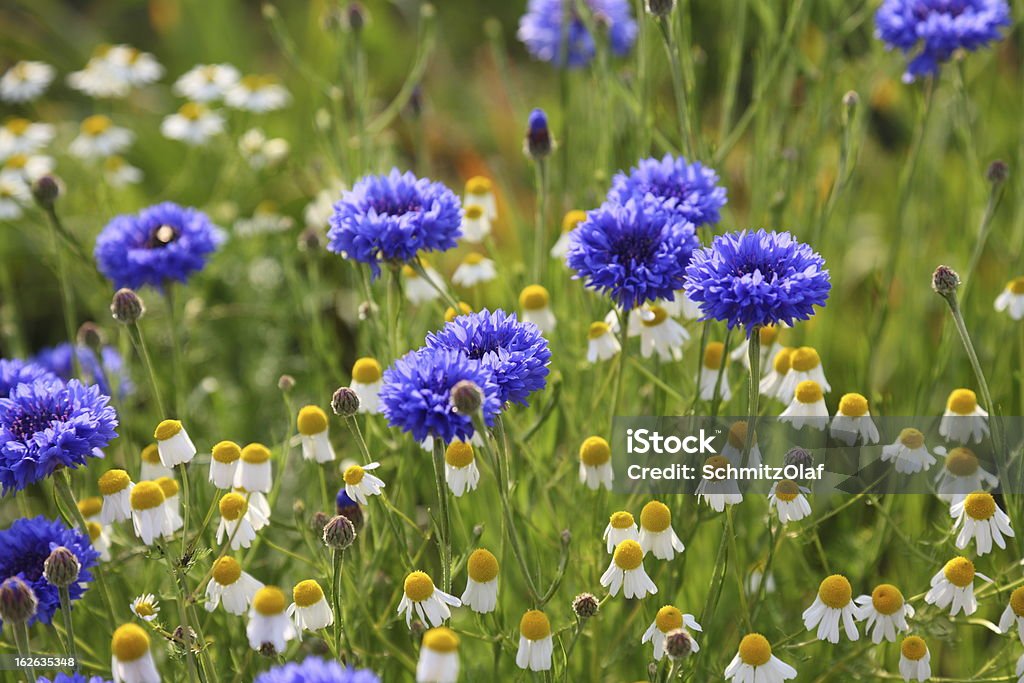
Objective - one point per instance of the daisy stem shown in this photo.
(617, 393)
(180, 600)
(186, 504)
(716, 396)
(339, 564)
(65, 289)
(139, 342)
(21, 641)
(445, 538)
(417, 265)
(753, 390)
(176, 362)
(540, 226)
(69, 626)
(737, 570)
(678, 88)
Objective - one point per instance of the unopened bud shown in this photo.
(538, 136)
(586, 605)
(17, 601)
(355, 15)
(318, 520)
(997, 172)
(661, 8)
(286, 383)
(345, 402)
(467, 397)
(89, 334)
(127, 307)
(945, 281)
(678, 644)
(799, 456)
(61, 567)
(45, 191)
(339, 533)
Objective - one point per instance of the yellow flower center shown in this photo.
(94, 529)
(113, 481)
(409, 271)
(144, 609)
(535, 625)
(353, 475)
(655, 516)
(572, 219)
(959, 571)
(713, 355)
(307, 593)
(808, 392)
(805, 359)
(1017, 601)
(980, 506)
(853, 405)
(598, 329)
(130, 642)
(473, 259)
(534, 298)
(269, 601)
(255, 453)
(96, 125)
(474, 212)
(168, 486)
(18, 126)
(192, 111)
(961, 462)
(787, 490)
(887, 599)
(768, 335)
(595, 451)
(441, 639)
(913, 648)
(257, 81)
(151, 454)
(450, 314)
(418, 586)
(91, 506)
(366, 371)
(232, 506)
(962, 402)
(312, 420)
(718, 463)
(669, 619)
(657, 316)
(1016, 285)
(482, 566)
(621, 520)
(912, 438)
(755, 649)
(782, 360)
(16, 162)
(226, 452)
(146, 495)
(835, 591)
(226, 571)
(628, 555)
(167, 429)
(479, 185)
(459, 454)
(738, 434)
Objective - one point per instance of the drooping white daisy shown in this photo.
(736, 443)
(261, 152)
(231, 587)
(257, 93)
(626, 572)
(309, 607)
(602, 344)
(174, 520)
(116, 488)
(151, 467)
(173, 443)
(1011, 299)
(755, 663)
(596, 463)
(460, 470)
(366, 382)
(27, 167)
(886, 613)
(118, 172)
(91, 507)
(979, 518)
(21, 136)
(569, 223)
(853, 421)
(807, 407)
(100, 539)
(439, 657)
(480, 192)
(717, 488)
(713, 369)
(790, 500)
(206, 82)
(131, 660)
(481, 594)
(254, 471)
(476, 224)
(26, 80)
(757, 578)
(422, 598)
(669, 619)
(964, 420)
(269, 627)
(804, 364)
(138, 68)
(260, 516)
(15, 195)
(223, 462)
(193, 123)
(769, 335)
(833, 605)
(771, 384)
(953, 587)
(149, 516)
(661, 334)
(419, 289)
(1014, 614)
(656, 533)
(621, 527)
(534, 303)
(474, 269)
(915, 659)
(236, 520)
(360, 484)
(98, 137)
(100, 78)
(145, 607)
(535, 644)
(961, 475)
(908, 453)
(312, 426)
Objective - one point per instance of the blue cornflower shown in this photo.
(633, 252)
(416, 395)
(105, 370)
(72, 678)
(757, 278)
(542, 28)
(45, 425)
(14, 372)
(515, 351)
(935, 29)
(689, 190)
(316, 670)
(163, 243)
(24, 547)
(538, 143)
(394, 217)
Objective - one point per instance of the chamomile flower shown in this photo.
(534, 302)
(149, 515)
(1011, 299)
(669, 619)
(480, 192)
(422, 598)
(713, 366)
(100, 77)
(769, 336)
(569, 223)
(790, 500)
(236, 520)
(656, 533)
(27, 167)
(602, 343)
(173, 443)
(269, 626)
(419, 289)
(460, 470)
(720, 489)
(474, 269)
(25, 81)
(626, 572)
(979, 518)
(312, 426)
(915, 659)
(206, 82)
(146, 607)
(193, 123)
(833, 605)
(230, 586)
(254, 471)
(621, 527)
(953, 587)
(118, 172)
(258, 93)
(961, 475)
(15, 195)
(853, 421)
(21, 136)
(736, 442)
(886, 613)
(908, 453)
(451, 314)
(91, 507)
(964, 420)
(481, 594)
(804, 364)
(223, 462)
(1014, 614)
(100, 539)
(807, 407)
(360, 484)
(174, 520)
(116, 489)
(771, 384)
(439, 657)
(476, 224)
(596, 463)
(151, 467)
(535, 644)
(661, 334)
(309, 608)
(98, 137)
(131, 660)
(261, 152)
(366, 382)
(137, 67)
(755, 663)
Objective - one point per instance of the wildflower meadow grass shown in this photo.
(321, 325)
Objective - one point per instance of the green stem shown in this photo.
(444, 541)
(417, 265)
(176, 361)
(186, 632)
(339, 563)
(69, 626)
(67, 298)
(678, 87)
(753, 391)
(539, 222)
(139, 342)
(21, 640)
(621, 370)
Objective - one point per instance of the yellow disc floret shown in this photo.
(887, 599)
(718, 463)
(595, 451)
(1017, 601)
(534, 298)
(961, 462)
(226, 452)
(738, 435)
(168, 486)
(781, 362)
(451, 314)
(418, 586)
(269, 601)
(628, 555)
(787, 490)
(232, 506)
(167, 429)
(151, 454)
(962, 402)
(474, 212)
(96, 124)
(113, 481)
(226, 571)
(482, 566)
(441, 639)
(91, 506)
(459, 454)
(479, 185)
(808, 391)
(1016, 285)
(353, 475)
(804, 359)
(959, 571)
(147, 495)
(755, 650)
(980, 506)
(655, 516)
(307, 593)
(913, 648)
(853, 405)
(95, 529)
(312, 420)
(130, 642)
(836, 591)
(473, 259)
(572, 219)
(656, 315)
(535, 625)
(144, 608)
(714, 353)
(621, 520)
(255, 453)
(669, 619)
(598, 329)
(768, 334)
(366, 371)
(912, 438)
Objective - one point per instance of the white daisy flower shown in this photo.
(439, 657)
(476, 224)
(193, 123)
(886, 613)
(473, 270)
(481, 594)
(27, 167)
(755, 663)
(254, 471)
(667, 620)
(736, 442)
(853, 421)
(261, 508)
(91, 507)
(964, 420)
(137, 67)
(626, 572)
(149, 515)
(360, 484)
(145, 607)
(789, 500)
(961, 475)
(231, 587)
(318, 212)
(1011, 299)
(771, 384)
(21, 136)
(116, 488)
(1013, 615)
(309, 608)
(804, 365)
(807, 407)
(602, 344)
(661, 334)
(206, 82)
(152, 468)
(265, 220)
(953, 587)
(720, 489)
(460, 470)
(713, 367)
(908, 453)
(261, 152)
(534, 302)
(422, 598)
(98, 137)
(915, 659)
(173, 443)
(269, 626)
(757, 577)
(15, 195)
(979, 518)
(366, 382)
(223, 462)
(257, 93)
(25, 81)
(656, 533)
(769, 346)
(173, 520)
(236, 520)
(419, 289)
(596, 463)
(535, 644)
(118, 172)
(621, 527)
(312, 426)
(688, 308)
(100, 539)
(100, 79)
(480, 192)
(569, 223)
(131, 660)
(833, 605)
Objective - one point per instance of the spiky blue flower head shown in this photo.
(757, 278)
(24, 547)
(106, 370)
(72, 678)
(316, 670)
(542, 28)
(416, 395)
(935, 29)
(45, 425)
(634, 252)
(515, 351)
(689, 190)
(14, 372)
(162, 243)
(393, 218)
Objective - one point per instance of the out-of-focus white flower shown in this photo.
(15, 195)
(264, 220)
(27, 167)
(99, 137)
(119, 172)
(257, 93)
(25, 81)
(192, 124)
(261, 152)
(206, 82)
(21, 136)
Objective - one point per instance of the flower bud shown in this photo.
(17, 601)
(945, 281)
(61, 567)
(127, 307)
(678, 644)
(45, 191)
(799, 456)
(660, 8)
(350, 510)
(467, 397)
(89, 334)
(339, 533)
(286, 383)
(318, 520)
(998, 172)
(538, 135)
(355, 15)
(586, 605)
(345, 402)
(309, 240)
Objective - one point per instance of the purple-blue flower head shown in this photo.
(161, 244)
(634, 252)
(756, 279)
(72, 678)
(14, 372)
(935, 29)
(538, 143)
(106, 371)
(543, 27)
(416, 395)
(45, 425)
(689, 190)
(24, 547)
(316, 670)
(516, 352)
(392, 218)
